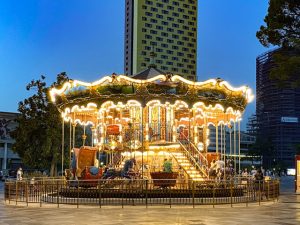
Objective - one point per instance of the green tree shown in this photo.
(39, 133)
(282, 29)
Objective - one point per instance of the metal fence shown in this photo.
(123, 192)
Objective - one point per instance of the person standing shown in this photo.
(19, 174)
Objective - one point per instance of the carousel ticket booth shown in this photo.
(152, 120)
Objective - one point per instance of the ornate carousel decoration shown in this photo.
(153, 118)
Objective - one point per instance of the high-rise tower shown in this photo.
(166, 27)
(278, 113)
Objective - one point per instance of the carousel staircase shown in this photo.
(192, 172)
(195, 167)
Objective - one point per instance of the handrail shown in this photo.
(193, 160)
(179, 163)
(203, 158)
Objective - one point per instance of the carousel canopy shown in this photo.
(87, 98)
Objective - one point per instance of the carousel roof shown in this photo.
(161, 87)
(148, 73)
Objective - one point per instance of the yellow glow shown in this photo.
(164, 147)
(54, 91)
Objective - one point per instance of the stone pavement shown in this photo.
(285, 212)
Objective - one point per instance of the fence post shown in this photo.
(193, 193)
(259, 193)
(77, 194)
(247, 192)
(57, 193)
(99, 193)
(146, 193)
(9, 184)
(214, 196)
(170, 199)
(278, 189)
(122, 189)
(268, 190)
(16, 192)
(231, 192)
(41, 187)
(26, 192)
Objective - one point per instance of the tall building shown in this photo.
(278, 113)
(161, 33)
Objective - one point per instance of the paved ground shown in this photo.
(285, 212)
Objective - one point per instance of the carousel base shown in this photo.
(153, 193)
(151, 197)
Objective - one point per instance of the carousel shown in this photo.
(160, 124)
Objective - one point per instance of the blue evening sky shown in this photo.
(85, 39)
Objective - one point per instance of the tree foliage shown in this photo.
(282, 29)
(39, 133)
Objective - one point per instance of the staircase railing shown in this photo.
(174, 157)
(195, 149)
(193, 160)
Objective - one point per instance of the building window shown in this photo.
(159, 16)
(149, 2)
(164, 34)
(154, 9)
(164, 23)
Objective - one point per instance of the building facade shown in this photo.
(161, 33)
(278, 113)
(7, 157)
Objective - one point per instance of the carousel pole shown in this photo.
(62, 145)
(230, 147)
(70, 144)
(217, 140)
(221, 128)
(92, 129)
(73, 139)
(239, 144)
(224, 138)
(234, 145)
(83, 136)
(142, 137)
